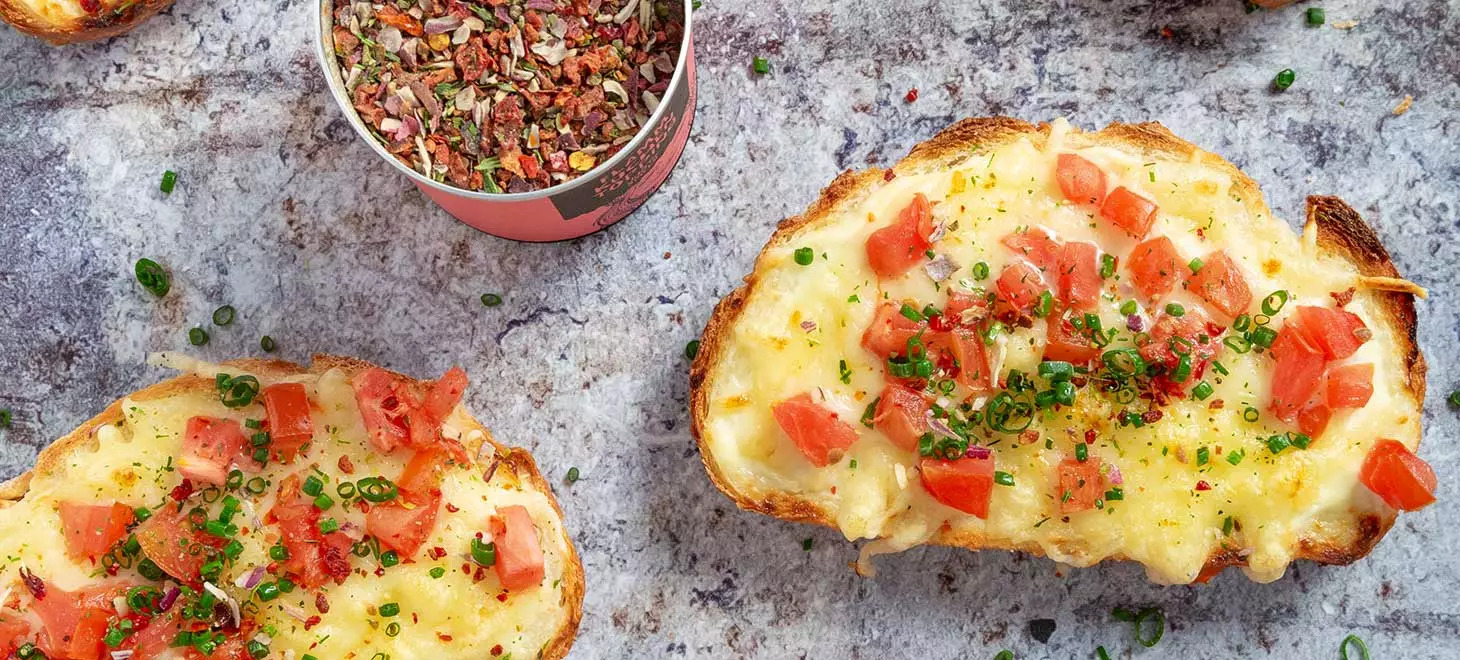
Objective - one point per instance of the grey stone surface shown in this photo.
(282, 212)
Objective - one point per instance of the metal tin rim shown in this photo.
(337, 90)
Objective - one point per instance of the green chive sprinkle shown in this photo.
(806, 545)
(1005, 654)
(1195, 265)
(169, 179)
(389, 609)
(981, 271)
(1129, 307)
(1175, 309)
(4, 418)
(491, 299)
(1316, 17)
(692, 349)
(1003, 478)
(152, 277)
(1201, 391)
(1235, 457)
(267, 344)
(572, 475)
(197, 336)
(1107, 266)
(1157, 627)
(1284, 79)
(1455, 398)
(804, 256)
(1203, 456)
(1082, 452)
(437, 572)
(1355, 642)
(760, 65)
(223, 315)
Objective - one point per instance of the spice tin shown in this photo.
(599, 198)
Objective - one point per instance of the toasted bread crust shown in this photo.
(518, 460)
(1340, 232)
(106, 23)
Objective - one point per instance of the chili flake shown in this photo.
(510, 95)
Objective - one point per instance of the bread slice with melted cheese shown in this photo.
(70, 21)
(786, 391)
(136, 463)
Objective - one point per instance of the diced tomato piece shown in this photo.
(1351, 385)
(445, 394)
(1080, 485)
(74, 622)
(1081, 181)
(1173, 336)
(964, 348)
(1337, 332)
(175, 544)
(1313, 418)
(210, 446)
(965, 484)
(1297, 374)
(1156, 267)
(1036, 245)
(1065, 343)
(383, 408)
(958, 303)
(1078, 276)
(92, 529)
(314, 557)
(1220, 283)
(890, 330)
(1129, 211)
(1020, 285)
(403, 525)
(422, 476)
(1403, 480)
(896, 248)
(290, 426)
(901, 416)
(817, 432)
(519, 553)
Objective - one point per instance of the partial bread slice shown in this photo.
(79, 465)
(753, 355)
(70, 21)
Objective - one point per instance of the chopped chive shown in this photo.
(1129, 307)
(1354, 642)
(324, 502)
(1082, 452)
(1455, 398)
(223, 315)
(1274, 302)
(1234, 457)
(1250, 414)
(1044, 305)
(1217, 367)
(1115, 494)
(804, 256)
(437, 572)
(1107, 266)
(328, 525)
(266, 343)
(981, 271)
(1157, 627)
(1203, 456)
(5, 418)
(1227, 526)
(1003, 478)
(760, 65)
(1263, 337)
(491, 299)
(169, 180)
(197, 336)
(911, 313)
(573, 475)
(1195, 265)
(692, 349)
(389, 609)
(152, 276)
(1175, 309)
(1277, 443)
(1201, 391)
(806, 545)
(389, 558)
(1284, 79)
(1316, 16)
(312, 486)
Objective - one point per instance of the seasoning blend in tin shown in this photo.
(534, 120)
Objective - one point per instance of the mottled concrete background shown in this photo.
(282, 212)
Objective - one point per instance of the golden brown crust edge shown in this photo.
(517, 459)
(109, 22)
(1340, 231)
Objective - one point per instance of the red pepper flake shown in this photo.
(91, 6)
(888, 175)
(912, 95)
(1166, 33)
(183, 490)
(1090, 436)
(1203, 485)
(1151, 416)
(321, 603)
(346, 466)
(1028, 437)
(312, 622)
(452, 507)
(502, 597)
(436, 552)
(443, 637)
(497, 650)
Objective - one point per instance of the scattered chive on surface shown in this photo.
(4, 418)
(1284, 79)
(1455, 398)
(572, 475)
(1316, 16)
(1354, 642)
(806, 545)
(760, 65)
(692, 349)
(169, 180)
(224, 315)
(491, 299)
(197, 336)
(153, 277)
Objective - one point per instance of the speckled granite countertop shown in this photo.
(282, 212)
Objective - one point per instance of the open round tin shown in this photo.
(600, 197)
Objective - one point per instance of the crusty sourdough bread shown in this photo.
(74, 464)
(752, 356)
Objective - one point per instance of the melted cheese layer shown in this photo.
(1163, 522)
(452, 616)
